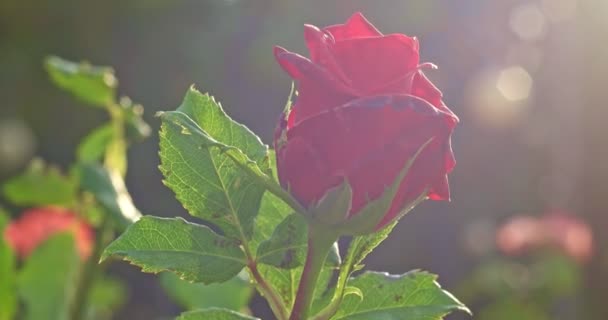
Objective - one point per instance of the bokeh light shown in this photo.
(498, 98)
(514, 83)
(528, 22)
(17, 144)
(559, 10)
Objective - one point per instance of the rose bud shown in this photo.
(364, 109)
(35, 226)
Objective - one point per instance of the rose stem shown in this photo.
(320, 241)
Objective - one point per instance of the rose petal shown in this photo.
(299, 164)
(368, 141)
(357, 26)
(319, 43)
(371, 63)
(318, 90)
(423, 88)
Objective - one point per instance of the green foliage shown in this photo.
(8, 298)
(41, 185)
(92, 84)
(285, 281)
(93, 146)
(202, 164)
(136, 128)
(286, 248)
(215, 314)
(110, 191)
(47, 281)
(192, 251)
(509, 308)
(413, 296)
(233, 294)
(107, 294)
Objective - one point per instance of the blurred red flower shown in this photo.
(557, 228)
(36, 225)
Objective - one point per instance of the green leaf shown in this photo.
(40, 185)
(210, 116)
(214, 314)
(203, 155)
(286, 248)
(8, 298)
(92, 84)
(413, 296)
(94, 145)
(47, 282)
(110, 191)
(285, 281)
(192, 251)
(107, 295)
(233, 294)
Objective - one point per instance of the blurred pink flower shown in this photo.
(36, 225)
(556, 228)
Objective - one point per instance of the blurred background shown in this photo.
(527, 79)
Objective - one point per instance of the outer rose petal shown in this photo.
(373, 63)
(318, 90)
(423, 88)
(385, 132)
(36, 225)
(355, 27)
(319, 45)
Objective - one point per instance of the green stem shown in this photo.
(274, 300)
(90, 272)
(105, 233)
(320, 241)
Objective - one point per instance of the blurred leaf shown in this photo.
(233, 294)
(513, 308)
(214, 314)
(47, 281)
(110, 191)
(94, 145)
(8, 299)
(557, 274)
(192, 251)
(136, 128)
(92, 84)
(106, 296)
(203, 153)
(41, 185)
(413, 296)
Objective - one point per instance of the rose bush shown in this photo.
(364, 108)
(36, 225)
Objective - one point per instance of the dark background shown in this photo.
(526, 78)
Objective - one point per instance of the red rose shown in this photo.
(364, 107)
(35, 226)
